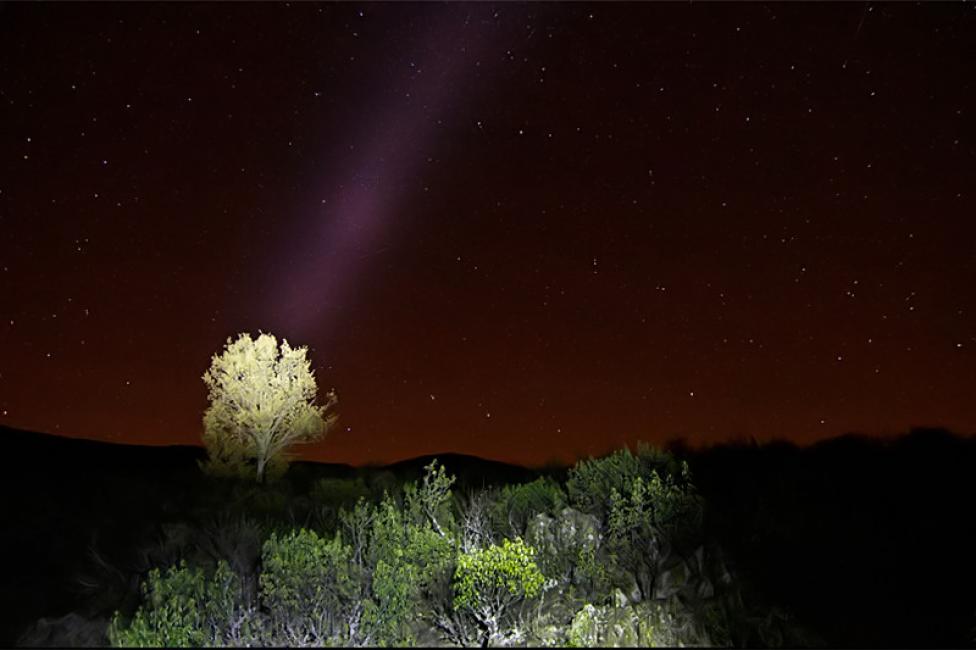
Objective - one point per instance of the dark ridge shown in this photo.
(866, 540)
(62, 495)
(470, 471)
(30, 445)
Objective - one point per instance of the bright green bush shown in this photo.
(386, 615)
(487, 582)
(393, 584)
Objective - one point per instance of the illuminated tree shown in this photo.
(262, 401)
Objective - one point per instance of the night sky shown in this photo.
(526, 232)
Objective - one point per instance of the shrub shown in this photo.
(489, 581)
(515, 504)
(310, 587)
(591, 572)
(406, 560)
(647, 520)
(591, 481)
(182, 609)
(430, 502)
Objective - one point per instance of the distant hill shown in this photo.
(30, 446)
(470, 471)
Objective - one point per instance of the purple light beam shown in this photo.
(336, 245)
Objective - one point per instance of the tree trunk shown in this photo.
(261, 463)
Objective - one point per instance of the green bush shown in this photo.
(405, 561)
(310, 587)
(488, 582)
(514, 505)
(654, 506)
(591, 481)
(393, 583)
(431, 501)
(648, 520)
(591, 572)
(181, 609)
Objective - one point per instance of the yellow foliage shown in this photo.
(262, 401)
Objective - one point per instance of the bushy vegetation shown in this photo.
(798, 547)
(613, 556)
(183, 609)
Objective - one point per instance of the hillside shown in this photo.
(855, 541)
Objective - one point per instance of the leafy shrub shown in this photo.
(182, 609)
(647, 520)
(329, 496)
(355, 526)
(310, 587)
(430, 502)
(406, 561)
(591, 481)
(488, 582)
(515, 504)
(591, 571)
(654, 506)
(393, 583)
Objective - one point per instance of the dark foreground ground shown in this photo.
(866, 543)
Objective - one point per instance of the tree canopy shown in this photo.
(262, 401)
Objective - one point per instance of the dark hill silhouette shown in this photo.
(61, 493)
(868, 541)
(471, 471)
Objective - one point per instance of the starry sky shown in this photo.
(524, 231)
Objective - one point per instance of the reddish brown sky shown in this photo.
(519, 231)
